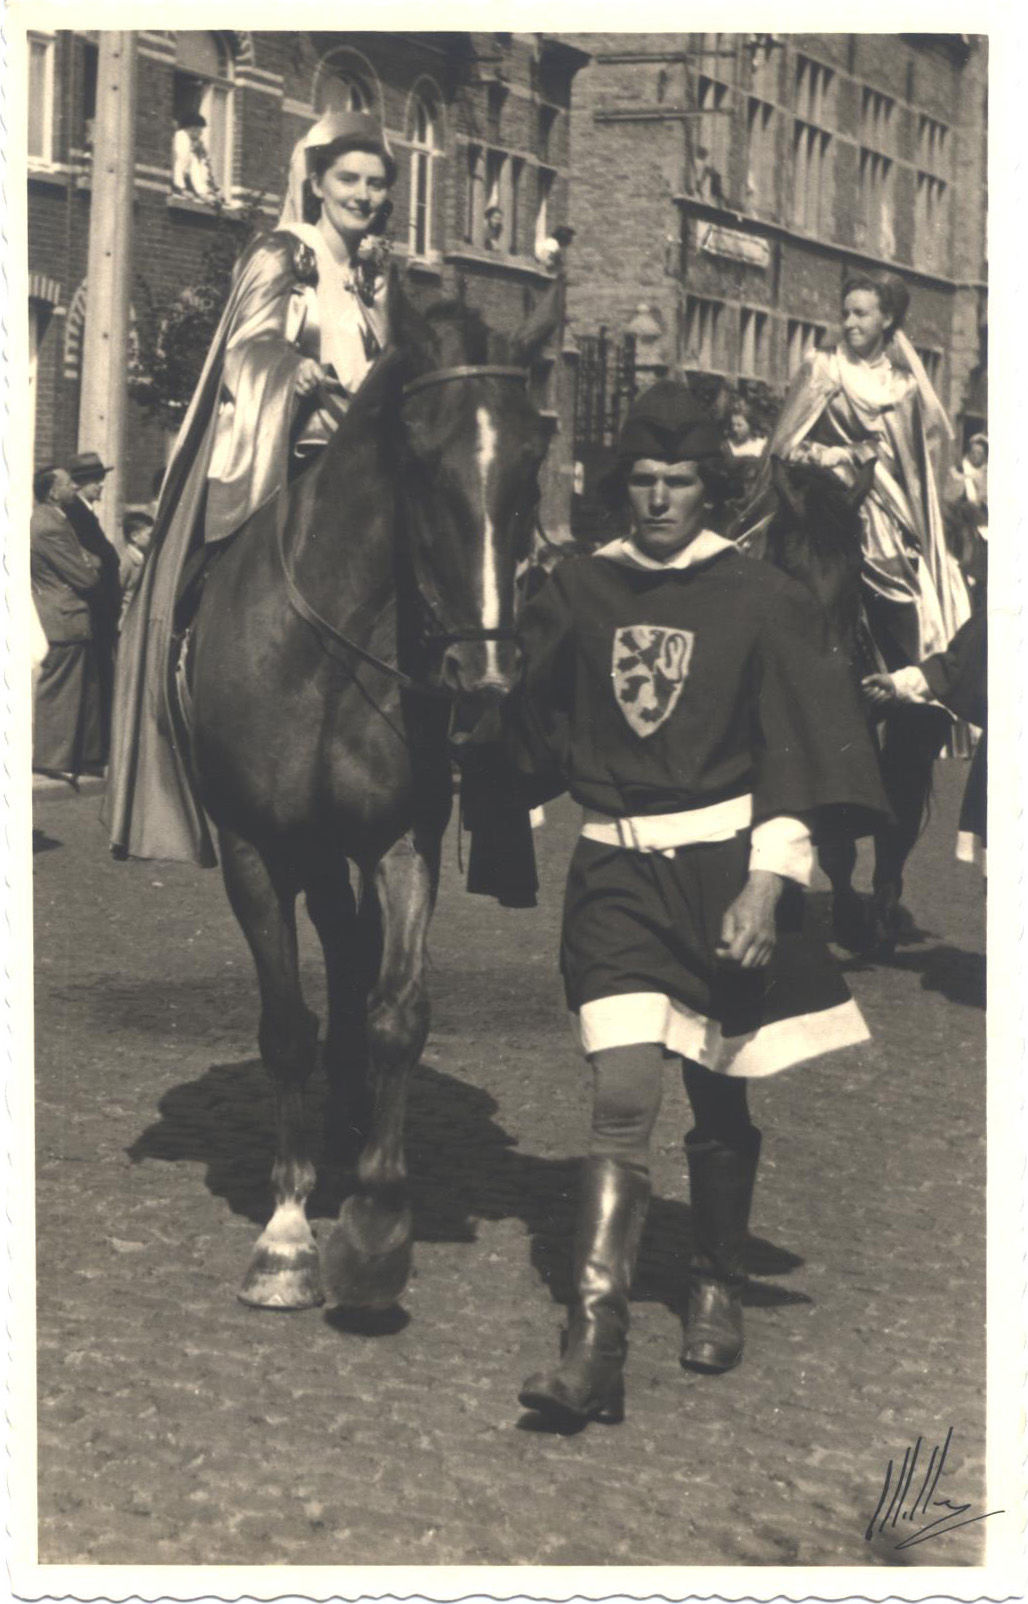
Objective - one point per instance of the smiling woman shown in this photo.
(307, 315)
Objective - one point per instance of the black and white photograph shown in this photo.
(501, 1098)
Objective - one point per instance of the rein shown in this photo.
(334, 641)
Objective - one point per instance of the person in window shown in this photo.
(869, 399)
(686, 697)
(308, 312)
(494, 228)
(192, 173)
(67, 731)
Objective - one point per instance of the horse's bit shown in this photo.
(329, 635)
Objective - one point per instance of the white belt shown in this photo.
(666, 832)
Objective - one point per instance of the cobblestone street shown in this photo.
(177, 1426)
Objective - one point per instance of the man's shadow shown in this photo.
(463, 1167)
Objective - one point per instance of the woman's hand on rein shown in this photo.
(748, 928)
(309, 375)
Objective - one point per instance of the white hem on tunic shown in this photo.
(651, 1016)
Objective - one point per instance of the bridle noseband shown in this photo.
(331, 638)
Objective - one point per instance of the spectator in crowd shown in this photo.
(973, 474)
(88, 474)
(138, 534)
(67, 735)
(192, 173)
(742, 441)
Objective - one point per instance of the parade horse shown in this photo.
(332, 642)
(810, 527)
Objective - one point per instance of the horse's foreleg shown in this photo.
(350, 942)
(367, 1258)
(283, 1271)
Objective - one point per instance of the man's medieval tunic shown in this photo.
(697, 712)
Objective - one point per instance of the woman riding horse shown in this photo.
(867, 404)
(869, 400)
(308, 313)
(685, 696)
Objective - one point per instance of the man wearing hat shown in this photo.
(686, 695)
(66, 733)
(88, 474)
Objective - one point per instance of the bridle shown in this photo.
(335, 641)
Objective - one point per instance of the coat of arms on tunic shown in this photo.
(651, 663)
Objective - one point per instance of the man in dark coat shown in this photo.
(67, 734)
(88, 474)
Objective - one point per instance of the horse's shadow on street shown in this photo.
(463, 1166)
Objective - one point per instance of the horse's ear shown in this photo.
(782, 481)
(539, 325)
(861, 486)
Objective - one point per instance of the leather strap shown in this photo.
(467, 371)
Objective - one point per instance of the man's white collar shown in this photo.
(706, 545)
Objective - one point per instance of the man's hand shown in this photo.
(748, 928)
(308, 376)
(879, 689)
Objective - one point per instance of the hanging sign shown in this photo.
(739, 247)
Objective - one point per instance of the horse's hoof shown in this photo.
(278, 1279)
(367, 1258)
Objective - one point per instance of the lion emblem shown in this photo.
(650, 666)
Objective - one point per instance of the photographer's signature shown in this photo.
(894, 1505)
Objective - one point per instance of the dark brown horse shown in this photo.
(333, 640)
(813, 533)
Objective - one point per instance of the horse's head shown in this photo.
(473, 445)
(812, 531)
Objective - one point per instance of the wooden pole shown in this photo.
(106, 339)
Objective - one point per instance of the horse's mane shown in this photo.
(831, 518)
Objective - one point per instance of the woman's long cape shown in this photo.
(151, 808)
(808, 396)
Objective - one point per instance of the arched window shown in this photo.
(345, 82)
(423, 134)
(202, 144)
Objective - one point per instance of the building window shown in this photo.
(713, 128)
(931, 214)
(702, 326)
(812, 145)
(202, 146)
(803, 338)
(341, 90)
(931, 202)
(424, 141)
(87, 113)
(41, 97)
(933, 146)
(474, 201)
(876, 120)
(545, 180)
(760, 155)
(38, 314)
(875, 203)
(546, 117)
(753, 343)
(815, 89)
(811, 155)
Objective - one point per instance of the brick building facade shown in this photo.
(725, 184)
(479, 124)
